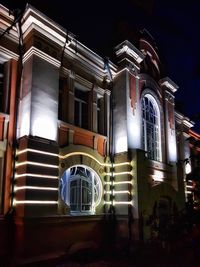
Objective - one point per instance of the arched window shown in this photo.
(81, 189)
(151, 127)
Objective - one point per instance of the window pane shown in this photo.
(77, 120)
(150, 128)
(81, 108)
(84, 116)
(74, 195)
(1, 86)
(86, 195)
(80, 189)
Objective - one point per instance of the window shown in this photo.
(151, 127)
(81, 189)
(81, 108)
(1, 85)
(4, 86)
(100, 115)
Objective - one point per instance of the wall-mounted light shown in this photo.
(188, 168)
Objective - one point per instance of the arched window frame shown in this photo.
(96, 189)
(157, 156)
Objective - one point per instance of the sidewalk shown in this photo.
(149, 255)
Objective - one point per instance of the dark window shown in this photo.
(1, 86)
(81, 108)
(100, 115)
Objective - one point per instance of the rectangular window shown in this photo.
(81, 108)
(1, 180)
(1, 86)
(100, 114)
(4, 86)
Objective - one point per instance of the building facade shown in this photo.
(83, 140)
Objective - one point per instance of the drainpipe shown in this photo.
(111, 134)
(18, 15)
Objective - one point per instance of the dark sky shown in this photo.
(101, 25)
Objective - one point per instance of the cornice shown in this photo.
(35, 20)
(83, 81)
(5, 12)
(126, 48)
(34, 51)
(169, 84)
(181, 119)
(6, 54)
(5, 22)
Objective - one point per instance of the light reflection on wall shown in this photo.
(172, 149)
(134, 133)
(121, 144)
(24, 116)
(157, 176)
(44, 126)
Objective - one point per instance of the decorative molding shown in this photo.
(129, 49)
(169, 84)
(34, 51)
(181, 119)
(6, 54)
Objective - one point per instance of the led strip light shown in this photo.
(119, 203)
(118, 173)
(118, 192)
(90, 156)
(17, 188)
(118, 183)
(37, 151)
(39, 202)
(36, 176)
(36, 164)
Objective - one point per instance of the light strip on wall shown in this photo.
(118, 173)
(17, 188)
(188, 192)
(121, 173)
(36, 151)
(36, 164)
(189, 186)
(121, 164)
(36, 176)
(118, 183)
(121, 192)
(107, 202)
(87, 155)
(107, 192)
(38, 202)
(122, 203)
(122, 182)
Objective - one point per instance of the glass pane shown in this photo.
(74, 195)
(150, 128)
(77, 120)
(86, 195)
(84, 116)
(1, 86)
(80, 189)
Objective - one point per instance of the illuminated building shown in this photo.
(82, 139)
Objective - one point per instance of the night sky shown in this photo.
(174, 24)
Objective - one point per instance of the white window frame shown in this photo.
(96, 189)
(80, 104)
(153, 146)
